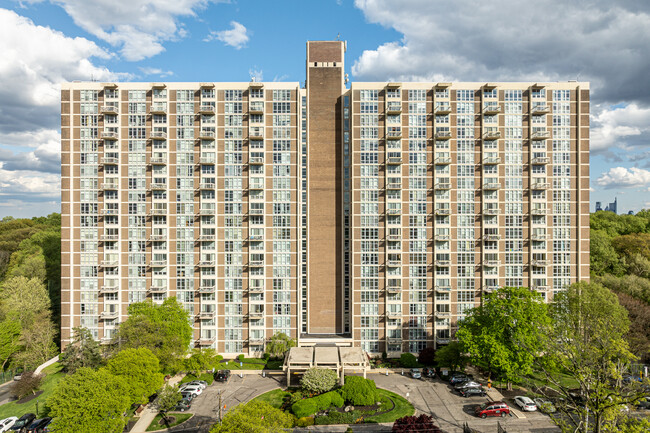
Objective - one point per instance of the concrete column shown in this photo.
(342, 376)
(364, 372)
(288, 377)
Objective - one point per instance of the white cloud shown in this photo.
(256, 74)
(236, 37)
(472, 40)
(622, 127)
(621, 177)
(138, 27)
(155, 71)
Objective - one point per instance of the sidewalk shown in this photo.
(149, 412)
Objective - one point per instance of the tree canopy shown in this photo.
(140, 369)
(254, 417)
(83, 351)
(279, 343)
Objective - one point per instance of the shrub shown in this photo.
(335, 417)
(422, 423)
(305, 421)
(359, 391)
(266, 357)
(295, 397)
(336, 399)
(304, 408)
(241, 357)
(319, 380)
(408, 360)
(427, 356)
(28, 384)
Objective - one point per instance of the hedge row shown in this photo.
(310, 406)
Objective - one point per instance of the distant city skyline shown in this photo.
(46, 42)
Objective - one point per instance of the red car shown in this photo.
(494, 408)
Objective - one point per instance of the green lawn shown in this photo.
(234, 365)
(402, 408)
(208, 377)
(53, 376)
(180, 417)
(275, 398)
(538, 379)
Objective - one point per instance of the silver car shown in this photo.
(525, 403)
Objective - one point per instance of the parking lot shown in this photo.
(433, 397)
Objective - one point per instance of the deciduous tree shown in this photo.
(167, 399)
(254, 417)
(141, 371)
(279, 344)
(319, 380)
(451, 356)
(23, 299)
(10, 331)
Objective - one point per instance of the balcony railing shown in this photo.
(158, 160)
(158, 135)
(207, 109)
(443, 135)
(158, 186)
(491, 263)
(108, 315)
(540, 160)
(492, 135)
(491, 160)
(207, 135)
(491, 186)
(443, 211)
(394, 185)
(207, 161)
(109, 109)
(108, 135)
(256, 160)
(538, 211)
(395, 134)
(443, 263)
(491, 109)
(539, 236)
(442, 185)
(442, 109)
(394, 160)
(442, 237)
(394, 107)
(539, 110)
(393, 237)
(443, 160)
(491, 211)
(539, 263)
(158, 109)
(540, 135)
(540, 185)
(491, 237)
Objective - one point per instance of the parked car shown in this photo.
(222, 375)
(460, 377)
(473, 392)
(183, 405)
(494, 408)
(545, 406)
(196, 390)
(201, 383)
(644, 403)
(525, 403)
(47, 428)
(23, 422)
(37, 425)
(468, 384)
(428, 372)
(188, 395)
(6, 423)
(416, 373)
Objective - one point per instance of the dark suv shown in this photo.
(494, 408)
(37, 425)
(459, 378)
(23, 422)
(222, 375)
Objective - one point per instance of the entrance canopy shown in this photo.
(335, 358)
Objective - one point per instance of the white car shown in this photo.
(6, 423)
(192, 389)
(200, 383)
(525, 403)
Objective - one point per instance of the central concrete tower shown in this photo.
(325, 85)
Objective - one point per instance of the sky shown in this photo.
(46, 42)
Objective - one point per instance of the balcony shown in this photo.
(442, 160)
(155, 238)
(109, 109)
(491, 211)
(256, 160)
(540, 135)
(491, 237)
(490, 289)
(157, 289)
(259, 288)
(393, 289)
(158, 160)
(158, 186)
(492, 135)
(539, 110)
(206, 315)
(443, 135)
(442, 314)
(256, 211)
(109, 289)
(207, 161)
(110, 263)
(108, 315)
(207, 135)
(442, 237)
(442, 340)
(207, 238)
(393, 211)
(394, 160)
(540, 185)
(158, 109)
(206, 85)
(207, 185)
(394, 237)
(207, 341)
(491, 263)
(442, 211)
(394, 185)
(206, 289)
(492, 160)
(540, 288)
(539, 263)
(256, 107)
(108, 237)
(105, 340)
(394, 340)
(442, 109)
(158, 212)
(393, 263)
(393, 314)
(207, 109)
(491, 109)
(539, 236)
(491, 186)
(538, 211)
(256, 314)
(442, 289)
(109, 185)
(108, 135)
(158, 135)
(256, 340)
(206, 263)
(442, 186)
(207, 211)
(256, 263)
(256, 237)
(157, 263)
(540, 160)
(394, 107)
(394, 135)
(109, 160)
(108, 212)
(256, 134)
(443, 263)
(256, 186)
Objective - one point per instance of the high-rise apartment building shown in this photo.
(375, 215)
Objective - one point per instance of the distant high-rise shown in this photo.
(374, 216)
(613, 206)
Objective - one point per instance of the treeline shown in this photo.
(620, 261)
(30, 290)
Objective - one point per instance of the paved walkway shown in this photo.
(150, 412)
